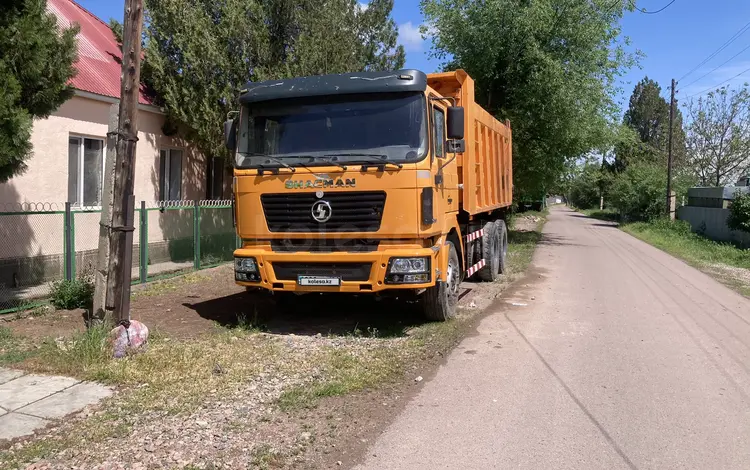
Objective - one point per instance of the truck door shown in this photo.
(444, 164)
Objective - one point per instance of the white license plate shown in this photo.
(318, 281)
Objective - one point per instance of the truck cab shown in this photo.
(352, 183)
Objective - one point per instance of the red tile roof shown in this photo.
(99, 55)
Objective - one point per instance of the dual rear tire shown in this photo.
(494, 250)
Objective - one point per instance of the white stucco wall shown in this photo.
(46, 181)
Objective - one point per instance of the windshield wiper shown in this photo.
(281, 162)
(333, 160)
(382, 159)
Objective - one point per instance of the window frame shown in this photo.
(79, 205)
(214, 169)
(164, 177)
(435, 107)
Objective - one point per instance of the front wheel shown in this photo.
(439, 302)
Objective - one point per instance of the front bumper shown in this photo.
(375, 282)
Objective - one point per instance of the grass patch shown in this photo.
(13, 349)
(724, 261)
(677, 239)
(154, 288)
(347, 372)
(609, 215)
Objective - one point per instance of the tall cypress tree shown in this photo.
(36, 65)
(648, 116)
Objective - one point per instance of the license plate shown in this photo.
(318, 281)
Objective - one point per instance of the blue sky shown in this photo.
(673, 41)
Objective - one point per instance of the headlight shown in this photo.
(245, 265)
(410, 265)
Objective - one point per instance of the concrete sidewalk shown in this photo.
(29, 402)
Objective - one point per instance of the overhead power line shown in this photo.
(716, 68)
(643, 10)
(734, 37)
(716, 87)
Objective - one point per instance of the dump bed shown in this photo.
(486, 168)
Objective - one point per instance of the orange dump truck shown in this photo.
(369, 183)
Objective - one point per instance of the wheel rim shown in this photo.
(453, 281)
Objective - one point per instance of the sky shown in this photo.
(673, 41)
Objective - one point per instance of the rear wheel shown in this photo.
(502, 235)
(490, 252)
(439, 302)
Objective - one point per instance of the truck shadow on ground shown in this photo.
(312, 314)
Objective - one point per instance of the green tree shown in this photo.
(648, 116)
(588, 185)
(739, 212)
(36, 65)
(639, 191)
(200, 54)
(550, 66)
(718, 136)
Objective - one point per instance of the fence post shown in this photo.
(68, 253)
(143, 244)
(196, 235)
(73, 270)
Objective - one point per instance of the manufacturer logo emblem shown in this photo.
(321, 211)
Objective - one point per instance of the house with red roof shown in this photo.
(69, 150)
(70, 146)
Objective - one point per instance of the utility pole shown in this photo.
(669, 154)
(118, 225)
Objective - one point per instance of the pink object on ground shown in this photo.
(128, 337)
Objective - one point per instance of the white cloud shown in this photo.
(363, 6)
(410, 37)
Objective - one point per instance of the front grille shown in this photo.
(324, 245)
(350, 212)
(288, 271)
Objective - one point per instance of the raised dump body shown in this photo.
(369, 183)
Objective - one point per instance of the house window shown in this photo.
(170, 175)
(85, 170)
(215, 178)
(438, 132)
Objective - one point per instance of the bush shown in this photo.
(76, 293)
(739, 212)
(586, 187)
(638, 193)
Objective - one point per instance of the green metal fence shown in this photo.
(43, 243)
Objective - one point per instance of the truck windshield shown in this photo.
(319, 130)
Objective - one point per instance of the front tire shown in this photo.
(439, 302)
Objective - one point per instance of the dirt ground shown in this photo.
(246, 429)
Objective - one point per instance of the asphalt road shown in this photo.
(616, 355)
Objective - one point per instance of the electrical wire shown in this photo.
(716, 68)
(716, 87)
(643, 10)
(734, 37)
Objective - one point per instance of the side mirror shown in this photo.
(455, 122)
(230, 134)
